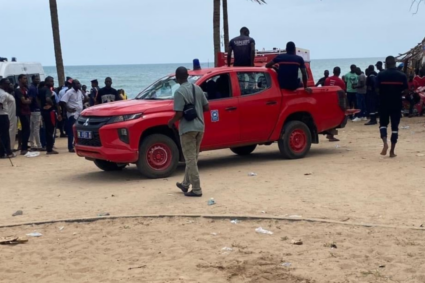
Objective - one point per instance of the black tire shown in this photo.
(158, 156)
(296, 140)
(244, 150)
(109, 166)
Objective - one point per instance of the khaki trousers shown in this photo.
(191, 143)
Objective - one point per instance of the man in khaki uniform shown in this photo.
(191, 132)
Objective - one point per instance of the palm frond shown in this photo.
(261, 2)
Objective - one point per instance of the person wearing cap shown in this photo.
(243, 47)
(391, 85)
(93, 92)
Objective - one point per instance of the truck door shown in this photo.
(259, 104)
(222, 122)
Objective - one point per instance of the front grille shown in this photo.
(92, 124)
(95, 141)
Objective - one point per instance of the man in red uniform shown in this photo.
(335, 80)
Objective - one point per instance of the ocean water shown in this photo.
(134, 78)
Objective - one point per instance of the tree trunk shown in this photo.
(216, 27)
(57, 41)
(226, 26)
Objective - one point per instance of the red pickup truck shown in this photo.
(247, 109)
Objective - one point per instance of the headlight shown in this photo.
(124, 118)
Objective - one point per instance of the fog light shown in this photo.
(123, 134)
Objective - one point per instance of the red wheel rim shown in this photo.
(298, 141)
(159, 156)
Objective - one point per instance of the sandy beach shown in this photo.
(347, 182)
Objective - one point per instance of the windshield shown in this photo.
(164, 88)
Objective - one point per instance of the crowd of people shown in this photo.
(32, 114)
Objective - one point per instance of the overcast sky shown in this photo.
(102, 32)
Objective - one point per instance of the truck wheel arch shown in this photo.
(164, 130)
(307, 119)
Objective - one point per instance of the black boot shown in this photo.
(372, 121)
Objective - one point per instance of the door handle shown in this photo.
(231, 108)
(271, 103)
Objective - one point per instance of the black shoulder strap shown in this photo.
(194, 94)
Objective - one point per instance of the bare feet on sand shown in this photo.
(384, 149)
(392, 154)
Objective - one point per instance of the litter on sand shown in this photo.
(214, 234)
(405, 127)
(12, 240)
(286, 264)
(235, 221)
(61, 228)
(252, 174)
(295, 216)
(103, 214)
(17, 213)
(34, 234)
(211, 201)
(227, 249)
(297, 242)
(263, 231)
(32, 154)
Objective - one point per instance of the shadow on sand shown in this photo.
(207, 164)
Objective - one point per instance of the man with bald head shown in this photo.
(190, 104)
(108, 93)
(391, 85)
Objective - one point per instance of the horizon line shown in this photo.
(96, 65)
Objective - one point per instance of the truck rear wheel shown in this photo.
(109, 166)
(244, 150)
(296, 140)
(158, 156)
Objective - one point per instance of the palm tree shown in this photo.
(57, 41)
(225, 24)
(216, 30)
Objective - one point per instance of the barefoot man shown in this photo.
(391, 85)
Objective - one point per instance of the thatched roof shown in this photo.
(416, 53)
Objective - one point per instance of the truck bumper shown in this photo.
(108, 154)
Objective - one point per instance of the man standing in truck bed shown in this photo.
(244, 48)
(391, 84)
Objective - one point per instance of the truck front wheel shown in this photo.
(244, 150)
(158, 156)
(296, 140)
(109, 166)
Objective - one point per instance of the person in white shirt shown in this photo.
(72, 101)
(5, 99)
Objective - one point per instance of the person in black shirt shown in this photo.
(391, 84)
(244, 48)
(379, 66)
(49, 110)
(289, 66)
(371, 95)
(107, 94)
(321, 82)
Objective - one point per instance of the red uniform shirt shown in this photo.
(335, 81)
(418, 82)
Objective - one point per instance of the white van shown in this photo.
(12, 70)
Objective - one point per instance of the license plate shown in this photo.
(85, 135)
